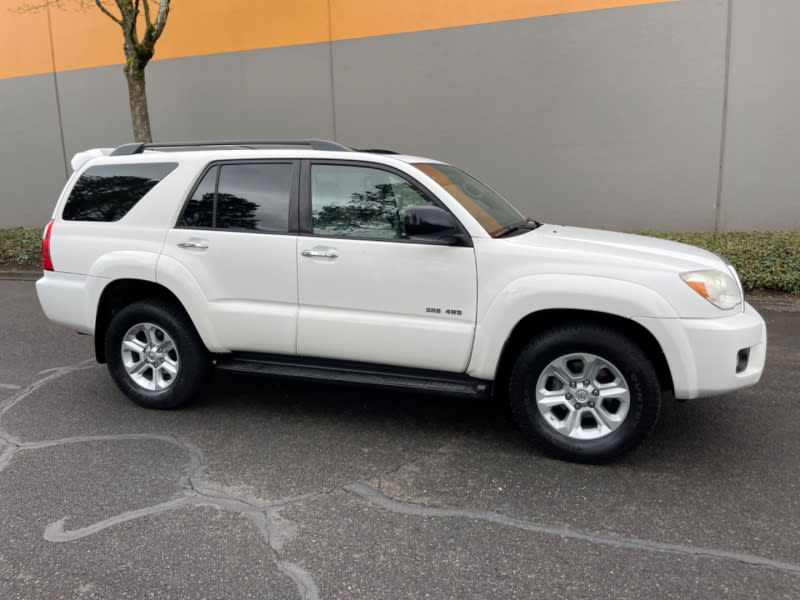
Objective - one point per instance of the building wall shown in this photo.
(761, 170)
(614, 114)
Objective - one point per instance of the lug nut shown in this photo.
(569, 396)
(572, 384)
(586, 382)
(591, 404)
(577, 405)
(595, 392)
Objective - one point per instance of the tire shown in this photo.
(155, 355)
(584, 393)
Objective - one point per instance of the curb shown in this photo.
(776, 304)
(20, 275)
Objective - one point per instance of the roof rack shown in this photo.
(139, 147)
(375, 151)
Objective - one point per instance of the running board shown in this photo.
(352, 373)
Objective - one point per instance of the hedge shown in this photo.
(20, 249)
(768, 260)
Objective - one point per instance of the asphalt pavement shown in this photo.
(265, 489)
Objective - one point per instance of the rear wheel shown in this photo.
(585, 393)
(155, 355)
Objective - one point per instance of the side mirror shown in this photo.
(431, 223)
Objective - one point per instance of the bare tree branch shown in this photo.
(128, 25)
(154, 31)
(134, 20)
(161, 19)
(147, 20)
(33, 7)
(106, 12)
(37, 6)
(138, 53)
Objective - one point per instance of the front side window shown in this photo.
(361, 202)
(491, 210)
(108, 192)
(249, 196)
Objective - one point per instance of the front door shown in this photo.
(367, 292)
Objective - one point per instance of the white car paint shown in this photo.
(369, 304)
(249, 283)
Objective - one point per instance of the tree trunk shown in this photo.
(137, 95)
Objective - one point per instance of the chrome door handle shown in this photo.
(188, 244)
(321, 253)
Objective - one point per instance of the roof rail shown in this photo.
(139, 147)
(376, 151)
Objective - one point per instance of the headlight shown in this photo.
(715, 286)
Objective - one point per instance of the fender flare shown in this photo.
(535, 293)
(113, 266)
(175, 277)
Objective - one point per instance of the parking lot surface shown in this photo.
(267, 489)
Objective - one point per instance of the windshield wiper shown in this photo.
(527, 225)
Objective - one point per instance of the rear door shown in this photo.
(237, 236)
(367, 292)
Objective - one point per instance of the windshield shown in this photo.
(491, 210)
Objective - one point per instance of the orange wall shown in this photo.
(87, 38)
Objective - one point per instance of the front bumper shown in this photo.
(704, 354)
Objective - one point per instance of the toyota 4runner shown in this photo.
(307, 259)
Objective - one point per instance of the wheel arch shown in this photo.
(535, 322)
(120, 293)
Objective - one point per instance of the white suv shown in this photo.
(312, 260)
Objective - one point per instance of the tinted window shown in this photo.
(199, 211)
(360, 201)
(247, 196)
(108, 192)
(254, 196)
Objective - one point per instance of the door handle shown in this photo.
(321, 253)
(190, 244)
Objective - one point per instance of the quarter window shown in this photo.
(361, 202)
(108, 192)
(249, 196)
(199, 212)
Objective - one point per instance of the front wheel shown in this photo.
(585, 393)
(155, 355)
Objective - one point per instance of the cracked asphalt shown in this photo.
(265, 489)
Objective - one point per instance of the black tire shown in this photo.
(190, 355)
(623, 354)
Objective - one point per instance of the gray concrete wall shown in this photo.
(608, 118)
(761, 171)
(282, 92)
(31, 159)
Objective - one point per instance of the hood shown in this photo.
(621, 248)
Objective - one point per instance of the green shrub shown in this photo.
(768, 260)
(20, 248)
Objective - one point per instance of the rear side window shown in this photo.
(108, 192)
(249, 196)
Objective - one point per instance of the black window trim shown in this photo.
(306, 225)
(217, 164)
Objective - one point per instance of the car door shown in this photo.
(237, 236)
(368, 292)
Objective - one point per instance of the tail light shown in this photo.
(47, 260)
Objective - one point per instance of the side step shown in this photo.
(353, 373)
